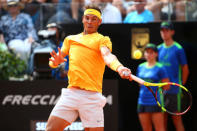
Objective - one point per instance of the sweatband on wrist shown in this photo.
(51, 65)
(115, 64)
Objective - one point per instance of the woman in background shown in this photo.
(149, 112)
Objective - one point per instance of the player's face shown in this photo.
(150, 55)
(90, 23)
(166, 34)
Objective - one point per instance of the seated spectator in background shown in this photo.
(140, 15)
(2, 10)
(155, 7)
(120, 5)
(77, 8)
(32, 7)
(180, 9)
(61, 72)
(168, 10)
(50, 39)
(62, 12)
(18, 30)
(40, 11)
(110, 13)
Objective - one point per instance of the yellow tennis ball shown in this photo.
(137, 54)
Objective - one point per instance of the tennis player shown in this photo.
(88, 52)
(172, 56)
(149, 112)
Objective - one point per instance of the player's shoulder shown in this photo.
(101, 37)
(160, 45)
(73, 36)
(177, 45)
(142, 64)
(158, 64)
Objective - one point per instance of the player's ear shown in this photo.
(100, 21)
(173, 32)
(156, 54)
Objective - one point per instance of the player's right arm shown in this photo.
(112, 62)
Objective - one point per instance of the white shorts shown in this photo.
(87, 105)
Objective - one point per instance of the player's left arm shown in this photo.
(185, 73)
(113, 63)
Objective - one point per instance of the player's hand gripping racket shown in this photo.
(164, 100)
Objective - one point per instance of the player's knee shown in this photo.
(50, 128)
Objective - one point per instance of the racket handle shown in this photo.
(135, 78)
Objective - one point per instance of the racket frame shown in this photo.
(159, 85)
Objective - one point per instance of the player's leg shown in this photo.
(64, 111)
(158, 121)
(166, 120)
(145, 121)
(91, 111)
(177, 120)
(56, 124)
(178, 123)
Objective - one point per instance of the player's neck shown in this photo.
(169, 42)
(86, 32)
(151, 63)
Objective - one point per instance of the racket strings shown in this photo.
(175, 103)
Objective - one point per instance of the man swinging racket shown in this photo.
(88, 53)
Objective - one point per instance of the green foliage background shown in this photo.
(10, 65)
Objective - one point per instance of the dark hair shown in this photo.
(93, 6)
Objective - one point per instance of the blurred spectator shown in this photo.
(180, 9)
(62, 13)
(110, 13)
(77, 9)
(40, 11)
(155, 7)
(31, 7)
(140, 15)
(2, 5)
(168, 10)
(120, 5)
(191, 11)
(49, 40)
(61, 72)
(18, 30)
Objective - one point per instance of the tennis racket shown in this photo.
(178, 105)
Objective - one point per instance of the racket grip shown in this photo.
(137, 79)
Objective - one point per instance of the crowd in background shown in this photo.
(22, 21)
(114, 11)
